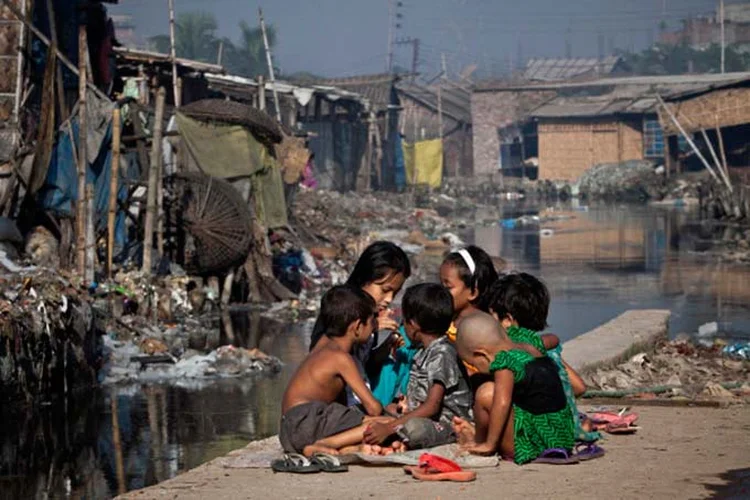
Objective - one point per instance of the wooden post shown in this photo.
(153, 180)
(173, 56)
(82, 153)
(113, 185)
(90, 256)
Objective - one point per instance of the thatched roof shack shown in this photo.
(713, 106)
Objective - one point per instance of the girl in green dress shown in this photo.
(529, 412)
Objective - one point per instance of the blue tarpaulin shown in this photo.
(60, 191)
(400, 164)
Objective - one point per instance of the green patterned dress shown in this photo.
(539, 423)
(525, 336)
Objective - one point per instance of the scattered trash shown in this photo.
(708, 329)
(739, 350)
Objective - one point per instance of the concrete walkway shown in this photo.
(678, 453)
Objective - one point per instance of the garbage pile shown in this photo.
(332, 229)
(633, 180)
(678, 370)
(151, 360)
(48, 336)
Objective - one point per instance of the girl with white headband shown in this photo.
(467, 273)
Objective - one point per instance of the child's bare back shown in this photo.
(319, 377)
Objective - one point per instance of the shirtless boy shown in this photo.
(312, 421)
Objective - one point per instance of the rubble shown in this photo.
(627, 181)
(677, 369)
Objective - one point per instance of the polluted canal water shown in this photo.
(597, 262)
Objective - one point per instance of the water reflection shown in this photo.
(599, 262)
(114, 440)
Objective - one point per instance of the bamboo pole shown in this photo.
(724, 176)
(173, 57)
(113, 183)
(687, 138)
(269, 61)
(90, 256)
(19, 62)
(58, 69)
(153, 180)
(82, 153)
(721, 147)
(117, 444)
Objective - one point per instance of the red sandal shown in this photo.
(437, 468)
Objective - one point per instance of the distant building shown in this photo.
(558, 130)
(702, 31)
(551, 70)
(125, 32)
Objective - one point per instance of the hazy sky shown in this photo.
(346, 37)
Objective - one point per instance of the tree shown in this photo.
(248, 56)
(195, 37)
(664, 59)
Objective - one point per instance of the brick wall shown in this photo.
(491, 110)
(568, 148)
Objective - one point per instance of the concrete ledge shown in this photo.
(614, 342)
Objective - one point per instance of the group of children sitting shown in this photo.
(464, 364)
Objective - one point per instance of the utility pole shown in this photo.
(270, 65)
(440, 94)
(414, 42)
(173, 56)
(221, 53)
(389, 57)
(723, 39)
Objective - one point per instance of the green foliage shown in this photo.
(196, 38)
(680, 59)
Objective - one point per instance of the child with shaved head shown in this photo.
(529, 412)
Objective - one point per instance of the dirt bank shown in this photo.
(679, 453)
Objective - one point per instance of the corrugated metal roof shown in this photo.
(633, 97)
(566, 69)
(375, 88)
(145, 56)
(456, 101)
(690, 81)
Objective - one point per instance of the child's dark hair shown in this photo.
(484, 274)
(379, 261)
(430, 306)
(343, 305)
(521, 296)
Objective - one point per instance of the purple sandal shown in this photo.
(588, 451)
(556, 456)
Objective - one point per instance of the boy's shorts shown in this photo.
(304, 424)
(421, 433)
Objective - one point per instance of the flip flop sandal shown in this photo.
(295, 463)
(588, 451)
(556, 456)
(328, 463)
(436, 468)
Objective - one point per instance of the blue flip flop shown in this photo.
(556, 456)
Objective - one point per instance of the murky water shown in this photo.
(598, 263)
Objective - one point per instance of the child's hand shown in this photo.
(402, 406)
(396, 344)
(376, 433)
(386, 321)
(481, 449)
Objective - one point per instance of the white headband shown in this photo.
(469, 261)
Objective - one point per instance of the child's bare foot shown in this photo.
(465, 431)
(312, 449)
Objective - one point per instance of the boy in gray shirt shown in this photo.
(438, 389)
